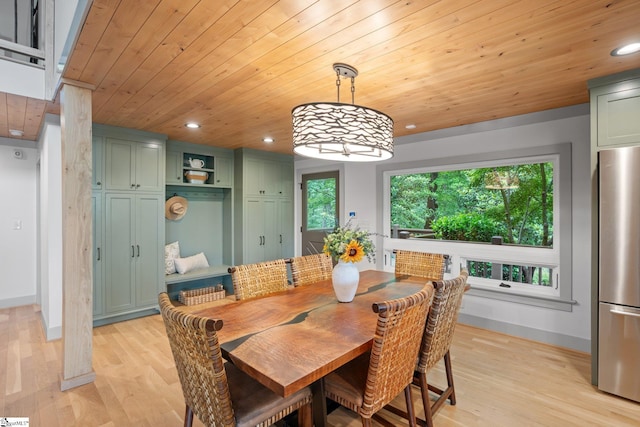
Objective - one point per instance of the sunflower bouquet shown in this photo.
(349, 245)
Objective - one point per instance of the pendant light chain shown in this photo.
(338, 83)
(353, 90)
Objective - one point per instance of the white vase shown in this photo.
(345, 278)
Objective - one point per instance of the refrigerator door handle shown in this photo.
(624, 313)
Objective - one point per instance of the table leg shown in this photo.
(319, 404)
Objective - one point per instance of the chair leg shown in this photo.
(426, 401)
(366, 422)
(447, 365)
(305, 416)
(411, 414)
(188, 416)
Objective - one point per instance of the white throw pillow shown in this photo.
(184, 265)
(171, 252)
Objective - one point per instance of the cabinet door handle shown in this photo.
(133, 254)
(98, 259)
(137, 185)
(98, 183)
(138, 247)
(281, 239)
(133, 186)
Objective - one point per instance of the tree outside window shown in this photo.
(514, 203)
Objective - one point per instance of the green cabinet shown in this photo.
(128, 222)
(98, 286)
(264, 206)
(615, 109)
(183, 157)
(261, 235)
(133, 251)
(97, 173)
(173, 171)
(268, 177)
(133, 165)
(223, 171)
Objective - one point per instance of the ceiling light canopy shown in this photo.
(342, 132)
(626, 50)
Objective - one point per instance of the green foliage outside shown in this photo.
(321, 204)
(457, 205)
(471, 227)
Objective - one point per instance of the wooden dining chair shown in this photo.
(217, 392)
(438, 335)
(421, 264)
(310, 268)
(263, 278)
(366, 384)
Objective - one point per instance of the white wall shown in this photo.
(17, 225)
(20, 79)
(570, 329)
(50, 244)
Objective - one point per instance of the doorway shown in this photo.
(320, 209)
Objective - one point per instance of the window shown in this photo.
(509, 204)
(506, 217)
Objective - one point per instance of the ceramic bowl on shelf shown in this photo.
(196, 177)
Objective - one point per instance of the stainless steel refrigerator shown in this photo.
(619, 272)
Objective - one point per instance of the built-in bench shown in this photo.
(197, 279)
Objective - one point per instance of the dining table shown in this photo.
(291, 339)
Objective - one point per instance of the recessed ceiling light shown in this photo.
(16, 132)
(626, 50)
(267, 139)
(192, 125)
(410, 126)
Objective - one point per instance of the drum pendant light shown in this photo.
(342, 132)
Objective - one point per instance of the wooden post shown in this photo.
(77, 236)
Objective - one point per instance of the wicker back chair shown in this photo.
(421, 264)
(255, 280)
(438, 335)
(366, 384)
(311, 268)
(217, 392)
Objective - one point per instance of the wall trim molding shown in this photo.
(50, 333)
(547, 337)
(17, 301)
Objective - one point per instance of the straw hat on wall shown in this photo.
(175, 208)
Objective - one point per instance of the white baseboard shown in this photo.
(17, 302)
(50, 333)
(552, 338)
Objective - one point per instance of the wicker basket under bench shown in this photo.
(201, 295)
(198, 295)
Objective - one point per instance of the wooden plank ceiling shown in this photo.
(239, 67)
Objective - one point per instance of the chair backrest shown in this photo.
(263, 278)
(196, 351)
(441, 321)
(421, 264)
(395, 347)
(311, 268)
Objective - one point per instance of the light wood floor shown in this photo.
(500, 381)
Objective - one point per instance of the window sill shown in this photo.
(553, 303)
